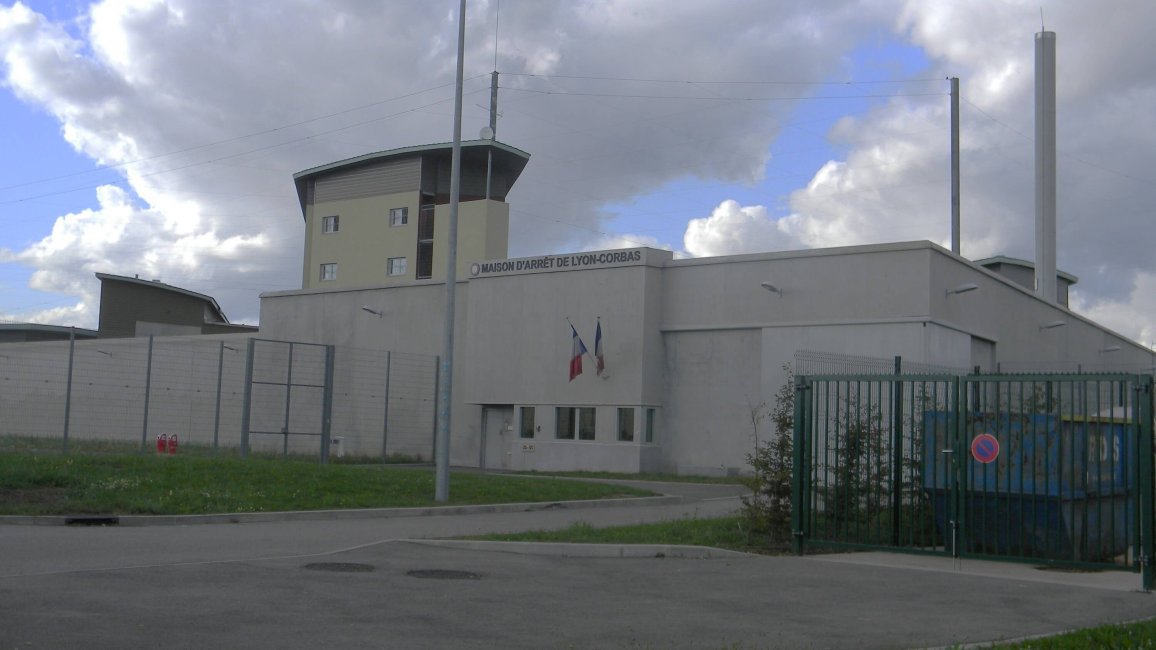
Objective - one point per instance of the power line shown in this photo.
(238, 138)
(234, 155)
(718, 82)
(1089, 163)
(720, 99)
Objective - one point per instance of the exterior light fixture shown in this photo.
(963, 288)
(772, 288)
(371, 310)
(1110, 348)
(1052, 324)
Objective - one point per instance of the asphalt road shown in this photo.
(341, 582)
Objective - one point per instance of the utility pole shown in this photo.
(445, 389)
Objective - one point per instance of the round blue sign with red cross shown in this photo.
(985, 448)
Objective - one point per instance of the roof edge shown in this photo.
(157, 284)
(425, 148)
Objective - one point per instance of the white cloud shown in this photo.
(1134, 314)
(893, 183)
(219, 103)
(172, 90)
(732, 228)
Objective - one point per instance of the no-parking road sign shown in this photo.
(985, 448)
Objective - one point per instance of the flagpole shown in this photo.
(588, 353)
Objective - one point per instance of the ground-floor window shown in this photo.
(648, 435)
(586, 424)
(626, 425)
(574, 421)
(527, 428)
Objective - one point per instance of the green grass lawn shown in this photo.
(723, 532)
(670, 478)
(36, 484)
(1127, 636)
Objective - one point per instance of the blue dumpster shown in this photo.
(1057, 488)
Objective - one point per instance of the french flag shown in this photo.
(579, 349)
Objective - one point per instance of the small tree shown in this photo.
(767, 510)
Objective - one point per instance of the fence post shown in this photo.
(385, 418)
(288, 403)
(327, 404)
(247, 399)
(68, 386)
(217, 409)
(144, 434)
(957, 425)
(437, 382)
(801, 472)
(896, 451)
(1144, 405)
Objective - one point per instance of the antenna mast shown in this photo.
(492, 133)
(955, 236)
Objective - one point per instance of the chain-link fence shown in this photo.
(121, 394)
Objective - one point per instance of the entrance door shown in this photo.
(497, 427)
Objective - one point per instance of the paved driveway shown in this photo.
(339, 582)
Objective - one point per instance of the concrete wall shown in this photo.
(133, 309)
(108, 389)
(519, 346)
(1012, 316)
(411, 323)
(483, 231)
(365, 241)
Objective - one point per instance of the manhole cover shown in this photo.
(443, 574)
(340, 567)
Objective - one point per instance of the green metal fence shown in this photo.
(1048, 469)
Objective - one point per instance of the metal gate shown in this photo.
(288, 397)
(1048, 469)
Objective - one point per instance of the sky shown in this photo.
(158, 138)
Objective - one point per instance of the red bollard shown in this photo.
(172, 443)
(161, 444)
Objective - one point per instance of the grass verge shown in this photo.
(1126, 636)
(668, 478)
(32, 484)
(722, 532)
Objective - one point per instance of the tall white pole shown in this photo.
(1046, 166)
(445, 388)
(955, 165)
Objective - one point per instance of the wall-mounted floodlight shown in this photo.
(1110, 348)
(371, 310)
(772, 288)
(231, 349)
(963, 288)
(1050, 325)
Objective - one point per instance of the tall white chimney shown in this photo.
(1046, 166)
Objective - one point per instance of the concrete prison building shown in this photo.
(691, 346)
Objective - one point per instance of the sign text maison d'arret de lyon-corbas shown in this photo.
(556, 262)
